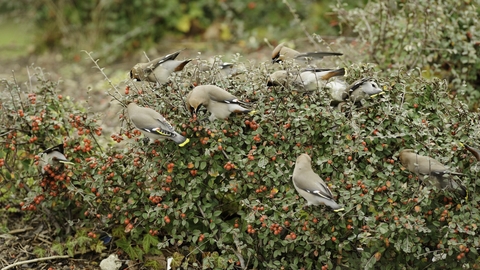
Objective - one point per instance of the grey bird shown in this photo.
(53, 156)
(159, 69)
(307, 79)
(217, 101)
(363, 88)
(311, 186)
(282, 53)
(438, 174)
(153, 125)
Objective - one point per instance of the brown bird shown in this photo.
(159, 69)
(311, 186)
(282, 53)
(217, 101)
(439, 175)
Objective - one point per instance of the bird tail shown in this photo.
(474, 151)
(171, 56)
(182, 65)
(334, 73)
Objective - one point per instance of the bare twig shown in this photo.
(20, 230)
(106, 77)
(36, 260)
(238, 252)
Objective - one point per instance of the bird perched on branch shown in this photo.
(310, 186)
(53, 156)
(159, 69)
(217, 101)
(307, 79)
(282, 53)
(153, 125)
(438, 174)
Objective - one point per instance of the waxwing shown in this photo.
(307, 80)
(282, 53)
(439, 175)
(153, 125)
(363, 88)
(310, 186)
(159, 69)
(52, 156)
(217, 101)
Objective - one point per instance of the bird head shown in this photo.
(276, 56)
(134, 75)
(403, 156)
(303, 161)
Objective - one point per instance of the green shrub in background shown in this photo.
(116, 28)
(439, 37)
(226, 200)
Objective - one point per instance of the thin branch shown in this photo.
(238, 252)
(36, 260)
(20, 230)
(106, 77)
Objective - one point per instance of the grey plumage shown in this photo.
(306, 80)
(282, 53)
(159, 69)
(363, 88)
(53, 156)
(337, 90)
(216, 100)
(153, 125)
(311, 186)
(438, 174)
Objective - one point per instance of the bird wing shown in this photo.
(161, 127)
(316, 55)
(152, 65)
(316, 69)
(225, 97)
(58, 148)
(313, 184)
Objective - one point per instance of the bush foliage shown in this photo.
(226, 199)
(440, 38)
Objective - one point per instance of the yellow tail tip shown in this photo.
(252, 112)
(339, 210)
(184, 143)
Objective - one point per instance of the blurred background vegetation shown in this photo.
(439, 38)
(118, 28)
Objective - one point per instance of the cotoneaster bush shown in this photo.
(226, 199)
(440, 38)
